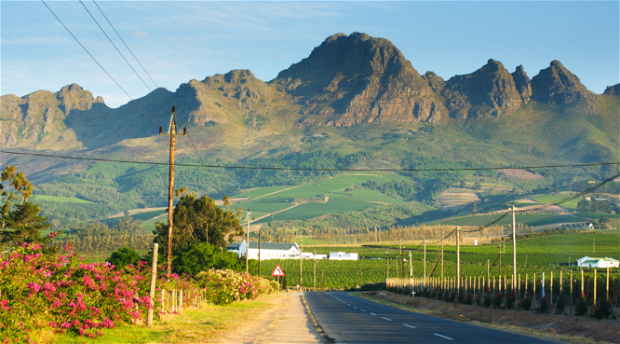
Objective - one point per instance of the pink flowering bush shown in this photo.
(58, 291)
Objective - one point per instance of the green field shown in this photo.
(59, 199)
(542, 254)
(483, 220)
(572, 204)
(261, 191)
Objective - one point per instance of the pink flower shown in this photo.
(35, 287)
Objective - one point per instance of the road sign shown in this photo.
(277, 271)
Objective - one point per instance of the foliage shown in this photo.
(42, 291)
(497, 300)
(543, 305)
(511, 298)
(560, 304)
(526, 303)
(582, 306)
(604, 310)
(202, 256)
(123, 257)
(198, 220)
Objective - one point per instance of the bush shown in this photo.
(469, 300)
(510, 300)
(560, 305)
(497, 300)
(488, 300)
(544, 305)
(124, 256)
(604, 310)
(526, 303)
(582, 306)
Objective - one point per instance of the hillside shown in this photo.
(354, 102)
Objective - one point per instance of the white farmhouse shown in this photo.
(342, 256)
(591, 262)
(269, 250)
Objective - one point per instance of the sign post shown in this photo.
(278, 272)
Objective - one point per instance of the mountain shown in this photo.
(358, 79)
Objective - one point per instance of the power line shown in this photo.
(308, 169)
(99, 64)
(123, 56)
(132, 54)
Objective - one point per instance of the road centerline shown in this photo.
(387, 319)
(438, 335)
(409, 326)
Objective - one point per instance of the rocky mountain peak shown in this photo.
(557, 85)
(358, 79)
(75, 97)
(612, 90)
(522, 83)
(489, 91)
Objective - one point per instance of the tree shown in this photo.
(202, 256)
(462, 184)
(198, 220)
(20, 222)
(477, 186)
(583, 205)
(124, 256)
(473, 207)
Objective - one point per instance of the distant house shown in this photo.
(342, 256)
(592, 262)
(269, 250)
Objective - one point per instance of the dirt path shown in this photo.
(288, 322)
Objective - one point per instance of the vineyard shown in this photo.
(534, 256)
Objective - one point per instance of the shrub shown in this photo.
(510, 300)
(469, 300)
(582, 306)
(497, 300)
(124, 256)
(604, 310)
(543, 305)
(488, 300)
(560, 304)
(526, 303)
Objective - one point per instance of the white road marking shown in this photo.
(354, 307)
(348, 305)
(438, 335)
(387, 319)
(363, 310)
(409, 326)
(372, 313)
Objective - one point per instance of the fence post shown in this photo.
(551, 287)
(571, 293)
(534, 282)
(149, 316)
(594, 303)
(607, 286)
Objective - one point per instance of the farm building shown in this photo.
(591, 262)
(269, 250)
(342, 256)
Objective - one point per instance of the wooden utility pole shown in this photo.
(458, 261)
(247, 250)
(301, 268)
(514, 249)
(410, 266)
(172, 132)
(424, 281)
(149, 316)
(314, 270)
(259, 239)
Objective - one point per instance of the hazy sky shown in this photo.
(180, 41)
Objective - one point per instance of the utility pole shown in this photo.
(410, 266)
(172, 132)
(458, 261)
(259, 239)
(514, 250)
(247, 251)
(314, 270)
(301, 267)
(424, 280)
(402, 260)
(388, 266)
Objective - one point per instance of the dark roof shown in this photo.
(272, 245)
(233, 246)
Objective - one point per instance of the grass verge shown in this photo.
(208, 324)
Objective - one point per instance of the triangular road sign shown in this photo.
(277, 271)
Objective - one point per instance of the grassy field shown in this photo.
(571, 205)
(482, 220)
(59, 199)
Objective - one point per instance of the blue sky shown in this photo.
(179, 40)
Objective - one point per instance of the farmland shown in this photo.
(59, 199)
(534, 256)
(572, 204)
(526, 219)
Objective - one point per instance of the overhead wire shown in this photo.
(132, 54)
(267, 168)
(123, 56)
(99, 64)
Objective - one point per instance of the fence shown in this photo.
(594, 287)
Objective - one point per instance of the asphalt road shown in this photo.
(348, 319)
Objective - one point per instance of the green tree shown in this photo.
(124, 256)
(462, 184)
(198, 220)
(477, 186)
(20, 222)
(202, 256)
(473, 207)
